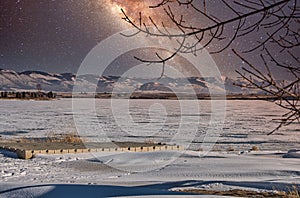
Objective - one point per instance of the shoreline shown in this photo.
(152, 96)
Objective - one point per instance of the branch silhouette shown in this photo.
(279, 20)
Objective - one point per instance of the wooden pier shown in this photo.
(27, 151)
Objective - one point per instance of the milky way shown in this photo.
(133, 7)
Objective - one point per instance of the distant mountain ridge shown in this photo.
(12, 81)
(28, 80)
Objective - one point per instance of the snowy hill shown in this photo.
(29, 80)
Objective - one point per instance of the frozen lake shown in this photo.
(246, 123)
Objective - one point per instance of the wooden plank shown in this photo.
(28, 154)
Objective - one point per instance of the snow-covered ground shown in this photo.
(88, 174)
(231, 165)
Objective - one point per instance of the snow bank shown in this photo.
(292, 154)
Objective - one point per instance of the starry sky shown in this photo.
(49, 35)
(56, 35)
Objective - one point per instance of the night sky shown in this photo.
(49, 35)
(56, 35)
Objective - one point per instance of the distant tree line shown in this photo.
(27, 95)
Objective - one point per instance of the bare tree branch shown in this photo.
(278, 20)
